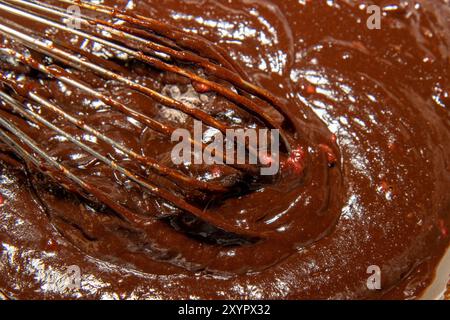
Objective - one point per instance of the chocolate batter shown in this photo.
(367, 183)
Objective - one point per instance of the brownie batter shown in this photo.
(366, 183)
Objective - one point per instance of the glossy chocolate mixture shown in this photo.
(366, 184)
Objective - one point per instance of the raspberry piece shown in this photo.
(331, 157)
(200, 87)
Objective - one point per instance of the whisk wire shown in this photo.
(149, 41)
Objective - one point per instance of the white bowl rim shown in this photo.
(438, 287)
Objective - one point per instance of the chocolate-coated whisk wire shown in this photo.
(152, 42)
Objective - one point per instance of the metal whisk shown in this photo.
(147, 40)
